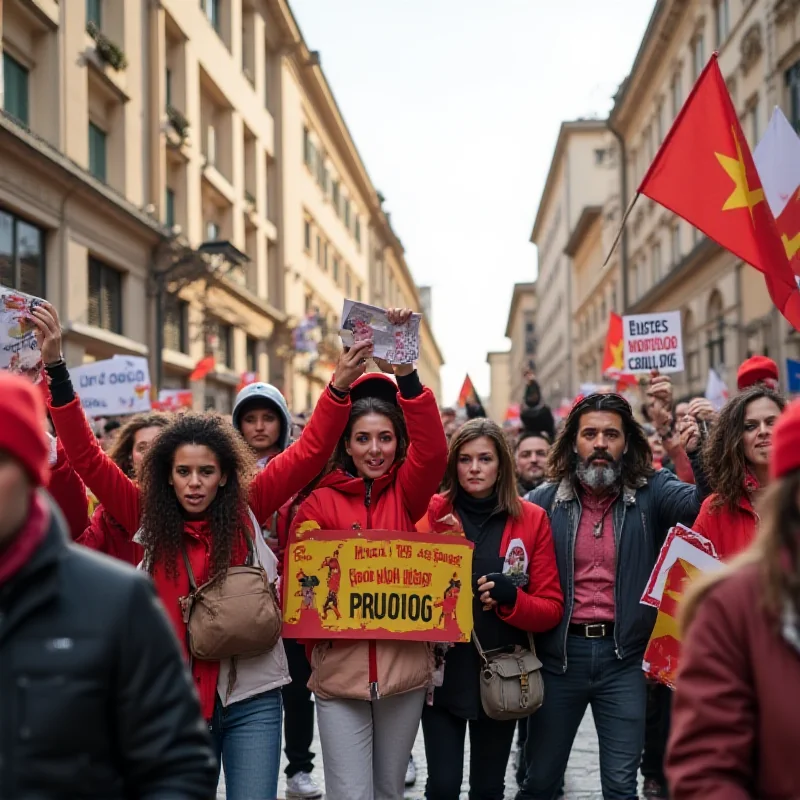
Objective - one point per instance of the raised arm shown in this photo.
(68, 491)
(422, 471)
(292, 470)
(101, 475)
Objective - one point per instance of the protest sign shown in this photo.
(19, 352)
(397, 344)
(377, 585)
(119, 385)
(653, 341)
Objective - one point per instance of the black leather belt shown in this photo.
(591, 630)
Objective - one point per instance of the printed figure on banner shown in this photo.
(516, 563)
(378, 585)
(397, 344)
(19, 352)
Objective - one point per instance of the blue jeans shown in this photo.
(247, 741)
(617, 693)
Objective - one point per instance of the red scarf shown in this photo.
(27, 541)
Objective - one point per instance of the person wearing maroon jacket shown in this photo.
(515, 580)
(370, 694)
(734, 719)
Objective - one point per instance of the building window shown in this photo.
(308, 149)
(793, 85)
(105, 296)
(176, 320)
(97, 152)
(307, 235)
(336, 270)
(660, 123)
(325, 257)
(347, 284)
(676, 92)
(15, 88)
(322, 171)
(335, 195)
(347, 213)
(655, 257)
(94, 13)
(319, 251)
(222, 342)
(212, 232)
(211, 7)
(722, 20)
(251, 355)
(21, 255)
(358, 230)
(168, 86)
(752, 119)
(675, 243)
(698, 55)
(169, 205)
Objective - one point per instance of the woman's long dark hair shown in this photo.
(637, 461)
(361, 408)
(723, 453)
(163, 516)
(121, 452)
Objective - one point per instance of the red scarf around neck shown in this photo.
(14, 557)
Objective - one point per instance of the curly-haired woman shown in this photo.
(369, 694)
(734, 722)
(736, 459)
(515, 579)
(104, 533)
(195, 495)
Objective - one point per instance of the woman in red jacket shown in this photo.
(197, 501)
(736, 458)
(104, 533)
(516, 591)
(370, 694)
(735, 734)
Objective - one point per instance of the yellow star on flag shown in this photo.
(616, 353)
(742, 196)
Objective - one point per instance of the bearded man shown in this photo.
(609, 512)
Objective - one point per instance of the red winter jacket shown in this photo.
(68, 491)
(734, 731)
(730, 531)
(283, 476)
(540, 605)
(107, 536)
(394, 502)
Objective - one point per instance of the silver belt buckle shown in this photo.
(595, 631)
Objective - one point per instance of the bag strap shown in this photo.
(189, 571)
(482, 654)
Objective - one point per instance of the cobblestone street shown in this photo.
(583, 775)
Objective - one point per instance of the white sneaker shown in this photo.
(302, 787)
(411, 772)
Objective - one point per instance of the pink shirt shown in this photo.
(595, 561)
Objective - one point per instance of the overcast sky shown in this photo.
(455, 107)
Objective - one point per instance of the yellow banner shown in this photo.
(377, 585)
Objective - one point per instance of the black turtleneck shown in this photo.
(483, 522)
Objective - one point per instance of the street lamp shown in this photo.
(196, 263)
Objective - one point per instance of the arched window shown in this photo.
(715, 333)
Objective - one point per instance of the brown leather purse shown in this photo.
(236, 616)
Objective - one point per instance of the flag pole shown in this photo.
(622, 225)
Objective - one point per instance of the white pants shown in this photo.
(366, 745)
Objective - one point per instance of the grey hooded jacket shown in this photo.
(269, 393)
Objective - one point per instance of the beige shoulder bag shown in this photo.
(237, 616)
(511, 682)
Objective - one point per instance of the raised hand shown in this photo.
(48, 332)
(352, 364)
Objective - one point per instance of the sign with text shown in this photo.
(19, 352)
(653, 341)
(377, 585)
(119, 385)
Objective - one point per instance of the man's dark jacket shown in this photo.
(95, 700)
(642, 517)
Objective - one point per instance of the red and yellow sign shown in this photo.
(377, 585)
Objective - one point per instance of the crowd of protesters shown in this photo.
(103, 694)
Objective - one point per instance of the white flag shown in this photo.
(716, 390)
(777, 159)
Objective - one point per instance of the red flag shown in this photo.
(467, 395)
(704, 172)
(246, 379)
(613, 354)
(202, 368)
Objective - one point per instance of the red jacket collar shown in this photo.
(352, 484)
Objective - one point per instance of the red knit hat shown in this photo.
(786, 441)
(755, 370)
(22, 426)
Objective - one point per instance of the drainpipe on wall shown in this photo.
(623, 191)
